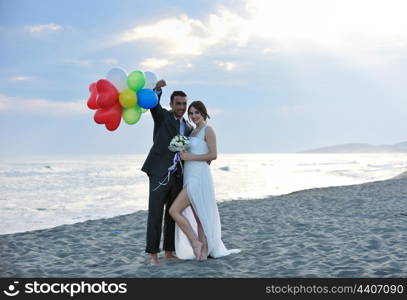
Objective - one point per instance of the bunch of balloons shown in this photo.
(122, 96)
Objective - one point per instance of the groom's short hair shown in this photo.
(177, 93)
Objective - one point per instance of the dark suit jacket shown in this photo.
(159, 158)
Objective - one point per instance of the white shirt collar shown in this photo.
(176, 119)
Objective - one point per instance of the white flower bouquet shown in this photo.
(178, 143)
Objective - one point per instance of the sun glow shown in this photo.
(289, 25)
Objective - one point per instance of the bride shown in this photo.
(198, 227)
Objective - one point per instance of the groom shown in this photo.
(167, 124)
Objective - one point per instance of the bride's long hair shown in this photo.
(199, 106)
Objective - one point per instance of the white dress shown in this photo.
(199, 184)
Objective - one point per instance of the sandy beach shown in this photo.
(346, 231)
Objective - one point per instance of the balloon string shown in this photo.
(171, 170)
(182, 168)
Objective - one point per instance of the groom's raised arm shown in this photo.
(157, 111)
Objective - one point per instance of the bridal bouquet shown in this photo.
(178, 143)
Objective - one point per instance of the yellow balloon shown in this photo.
(128, 98)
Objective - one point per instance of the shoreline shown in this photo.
(93, 189)
(400, 176)
(341, 231)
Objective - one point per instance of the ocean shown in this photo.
(46, 191)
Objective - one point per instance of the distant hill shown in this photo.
(400, 176)
(360, 148)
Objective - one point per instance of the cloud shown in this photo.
(43, 28)
(188, 36)
(344, 28)
(42, 106)
(21, 78)
(154, 63)
(226, 65)
(187, 82)
(333, 24)
(110, 61)
(87, 62)
(270, 51)
(75, 61)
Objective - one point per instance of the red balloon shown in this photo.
(111, 116)
(93, 95)
(107, 94)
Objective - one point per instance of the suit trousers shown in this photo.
(162, 197)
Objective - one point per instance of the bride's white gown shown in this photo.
(199, 184)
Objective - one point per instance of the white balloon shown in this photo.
(118, 77)
(151, 80)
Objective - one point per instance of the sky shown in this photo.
(275, 75)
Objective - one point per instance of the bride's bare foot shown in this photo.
(198, 247)
(205, 252)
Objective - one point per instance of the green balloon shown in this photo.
(143, 110)
(136, 80)
(131, 115)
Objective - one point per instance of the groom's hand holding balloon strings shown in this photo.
(160, 83)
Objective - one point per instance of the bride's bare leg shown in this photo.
(201, 235)
(176, 209)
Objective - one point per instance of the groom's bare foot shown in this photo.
(154, 259)
(170, 255)
(198, 247)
